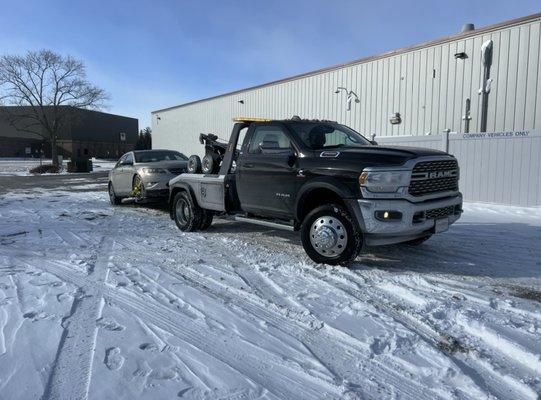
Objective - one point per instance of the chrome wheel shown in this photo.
(182, 211)
(328, 236)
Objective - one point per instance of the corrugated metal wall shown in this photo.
(495, 167)
(427, 86)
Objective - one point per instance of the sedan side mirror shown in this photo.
(374, 142)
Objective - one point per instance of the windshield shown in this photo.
(328, 135)
(158, 155)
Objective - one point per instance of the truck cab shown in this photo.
(339, 189)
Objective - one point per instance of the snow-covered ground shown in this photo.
(22, 166)
(105, 302)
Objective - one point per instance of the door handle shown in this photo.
(248, 165)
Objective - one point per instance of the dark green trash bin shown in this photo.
(80, 164)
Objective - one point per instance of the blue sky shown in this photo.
(154, 54)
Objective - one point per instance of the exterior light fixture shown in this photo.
(460, 56)
(241, 101)
(351, 95)
(395, 119)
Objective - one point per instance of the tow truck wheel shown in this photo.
(187, 214)
(208, 164)
(206, 222)
(115, 200)
(330, 236)
(194, 164)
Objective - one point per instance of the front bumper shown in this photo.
(415, 221)
(156, 185)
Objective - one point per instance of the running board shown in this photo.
(264, 223)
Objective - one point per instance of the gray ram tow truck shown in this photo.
(339, 189)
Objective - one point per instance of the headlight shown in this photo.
(384, 181)
(153, 171)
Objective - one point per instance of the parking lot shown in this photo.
(116, 302)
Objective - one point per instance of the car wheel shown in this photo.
(330, 236)
(113, 198)
(418, 241)
(206, 221)
(194, 164)
(186, 213)
(138, 189)
(208, 164)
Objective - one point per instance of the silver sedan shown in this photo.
(144, 174)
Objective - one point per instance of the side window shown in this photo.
(269, 140)
(129, 158)
(121, 161)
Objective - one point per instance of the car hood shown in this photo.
(386, 155)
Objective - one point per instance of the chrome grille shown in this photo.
(429, 177)
(440, 212)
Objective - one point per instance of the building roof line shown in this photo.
(445, 39)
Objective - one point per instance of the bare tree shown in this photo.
(46, 88)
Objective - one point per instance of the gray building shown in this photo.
(475, 94)
(88, 132)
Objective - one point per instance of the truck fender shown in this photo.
(333, 185)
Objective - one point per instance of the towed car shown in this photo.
(144, 174)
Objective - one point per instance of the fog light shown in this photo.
(385, 215)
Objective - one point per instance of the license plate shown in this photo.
(441, 225)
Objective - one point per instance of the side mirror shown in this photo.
(374, 142)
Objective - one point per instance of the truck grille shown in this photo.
(429, 177)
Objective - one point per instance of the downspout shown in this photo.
(486, 54)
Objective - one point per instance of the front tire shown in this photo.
(113, 198)
(186, 213)
(330, 235)
(138, 189)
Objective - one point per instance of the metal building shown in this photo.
(477, 94)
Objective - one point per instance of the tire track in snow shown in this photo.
(285, 380)
(72, 369)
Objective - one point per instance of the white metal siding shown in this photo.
(427, 86)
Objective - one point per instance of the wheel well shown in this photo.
(315, 198)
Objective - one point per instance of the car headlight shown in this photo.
(153, 171)
(384, 181)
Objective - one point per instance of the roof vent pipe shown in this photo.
(467, 28)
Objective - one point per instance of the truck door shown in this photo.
(267, 169)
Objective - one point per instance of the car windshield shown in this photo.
(328, 135)
(158, 155)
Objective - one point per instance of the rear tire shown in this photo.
(206, 222)
(418, 241)
(330, 235)
(194, 164)
(113, 198)
(186, 213)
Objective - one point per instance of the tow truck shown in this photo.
(340, 190)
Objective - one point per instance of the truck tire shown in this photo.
(194, 164)
(418, 241)
(115, 200)
(186, 213)
(208, 164)
(330, 235)
(206, 222)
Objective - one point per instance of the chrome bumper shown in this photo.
(379, 232)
